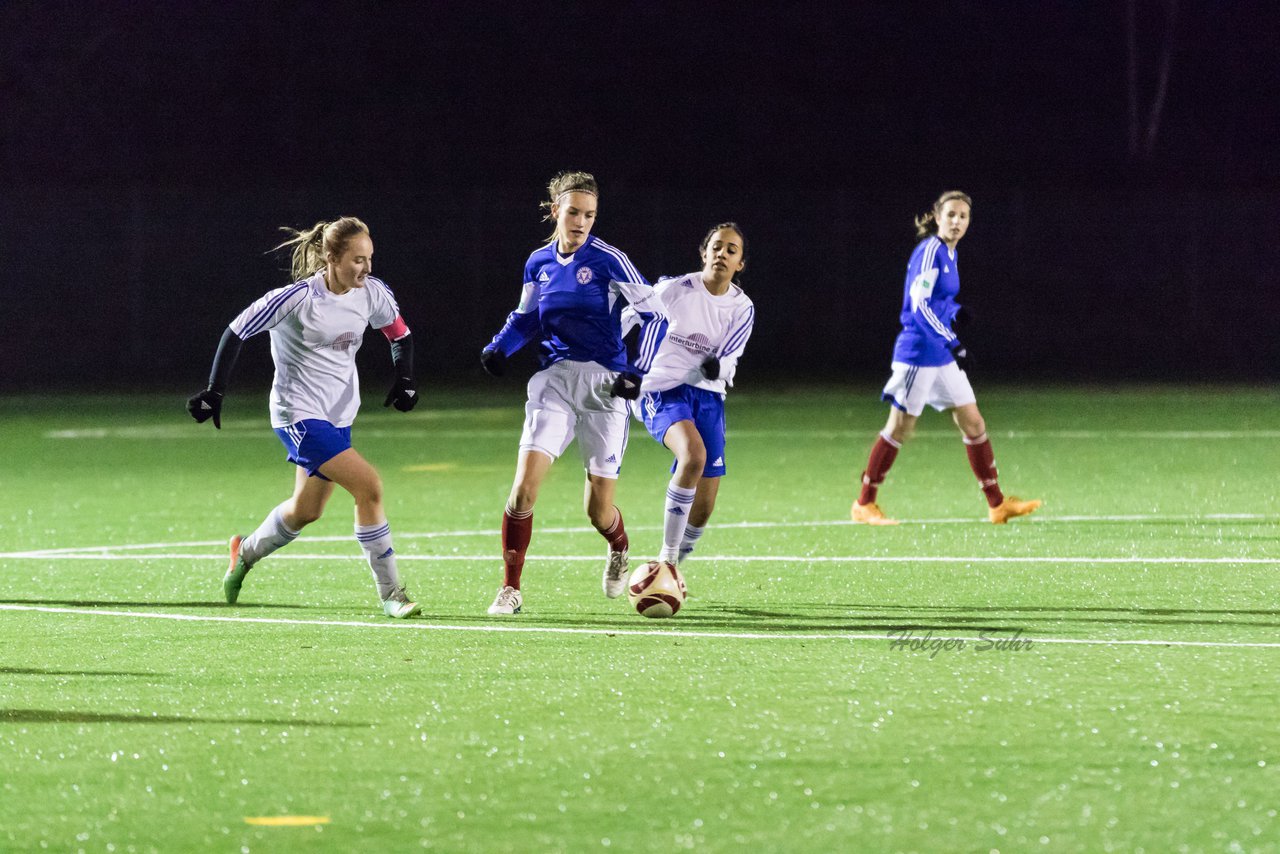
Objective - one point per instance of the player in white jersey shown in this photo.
(316, 326)
(690, 363)
(575, 289)
(930, 366)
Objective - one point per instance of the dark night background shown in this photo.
(149, 151)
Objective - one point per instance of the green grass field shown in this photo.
(1131, 704)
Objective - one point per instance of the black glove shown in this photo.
(493, 362)
(205, 405)
(961, 354)
(404, 394)
(626, 386)
(963, 319)
(710, 368)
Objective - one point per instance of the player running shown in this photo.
(575, 288)
(691, 357)
(316, 327)
(930, 365)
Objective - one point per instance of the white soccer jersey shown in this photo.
(314, 338)
(699, 324)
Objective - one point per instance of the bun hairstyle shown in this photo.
(706, 241)
(927, 222)
(312, 246)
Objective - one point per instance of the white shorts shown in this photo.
(572, 399)
(942, 387)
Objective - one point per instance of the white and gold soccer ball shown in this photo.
(656, 589)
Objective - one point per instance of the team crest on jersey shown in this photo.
(697, 343)
(585, 276)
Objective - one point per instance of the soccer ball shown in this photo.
(656, 589)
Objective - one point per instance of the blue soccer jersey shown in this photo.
(928, 306)
(573, 305)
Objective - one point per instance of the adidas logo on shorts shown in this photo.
(613, 458)
(719, 461)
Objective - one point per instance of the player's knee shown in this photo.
(303, 516)
(693, 459)
(972, 426)
(368, 493)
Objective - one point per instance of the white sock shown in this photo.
(271, 535)
(675, 518)
(691, 535)
(376, 542)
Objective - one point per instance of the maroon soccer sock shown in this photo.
(616, 533)
(883, 453)
(983, 462)
(517, 530)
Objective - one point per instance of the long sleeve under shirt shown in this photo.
(928, 306)
(573, 303)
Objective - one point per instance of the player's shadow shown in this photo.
(60, 716)
(713, 616)
(39, 671)
(728, 618)
(203, 603)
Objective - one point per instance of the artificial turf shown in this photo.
(1115, 689)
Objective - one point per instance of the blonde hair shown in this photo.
(927, 222)
(566, 182)
(312, 246)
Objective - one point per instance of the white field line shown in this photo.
(821, 523)
(256, 432)
(401, 556)
(660, 633)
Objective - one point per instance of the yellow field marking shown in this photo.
(286, 820)
(432, 467)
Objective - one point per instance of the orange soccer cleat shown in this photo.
(1011, 508)
(869, 514)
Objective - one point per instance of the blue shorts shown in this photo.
(311, 443)
(661, 409)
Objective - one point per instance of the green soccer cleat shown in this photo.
(397, 605)
(237, 569)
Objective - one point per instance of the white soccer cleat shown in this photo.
(614, 580)
(508, 601)
(398, 606)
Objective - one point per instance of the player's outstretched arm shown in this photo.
(208, 403)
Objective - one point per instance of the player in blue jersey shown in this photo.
(316, 326)
(930, 365)
(575, 288)
(690, 358)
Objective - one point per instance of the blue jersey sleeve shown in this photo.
(931, 313)
(522, 325)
